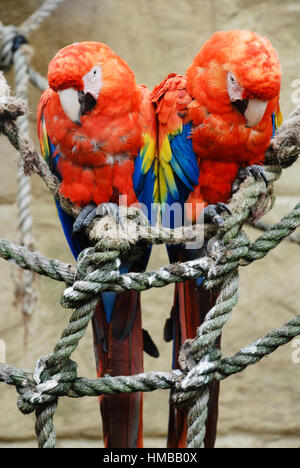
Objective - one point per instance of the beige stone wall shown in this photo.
(258, 408)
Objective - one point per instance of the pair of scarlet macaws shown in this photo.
(187, 141)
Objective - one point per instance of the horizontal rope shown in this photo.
(263, 226)
(260, 348)
(96, 281)
(36, 262)
(151, 381)
(273, 236)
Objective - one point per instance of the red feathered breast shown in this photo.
(97, 158)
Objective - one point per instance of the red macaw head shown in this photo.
(237, 68)
(90, 78)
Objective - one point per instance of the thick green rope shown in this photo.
(96, 282)
(198, 377)
(273, 236)
(147, 382)
(36, 262)
(44, 427)
(260, 348)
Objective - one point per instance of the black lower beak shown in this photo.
(241, 105)
(87, 103)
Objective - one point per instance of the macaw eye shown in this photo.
(234, 90)
(232, 77)
(94, 73)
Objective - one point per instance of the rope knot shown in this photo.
(226, 257)
(95, 266)
(48, 384)
(196, 374)
(92, 258)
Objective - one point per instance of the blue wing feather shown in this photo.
(143, 185)
(184, 160)
(274, 124)
(186, 174)
(67, 222)
(76, 243)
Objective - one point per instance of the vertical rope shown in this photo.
(201, 348)
(44, 427)
(25, 294)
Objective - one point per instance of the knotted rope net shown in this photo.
(97, 270)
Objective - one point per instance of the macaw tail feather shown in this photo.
(191, 304)
(118, 346)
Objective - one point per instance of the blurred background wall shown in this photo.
(259, 407)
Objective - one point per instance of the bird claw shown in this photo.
(85, 217)
(91, 211)
(110, 209)
(241, 176)
(255, 170)
(258, 172)
(213, 213)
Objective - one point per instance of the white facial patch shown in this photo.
(70, 104)
(93, 81)
(235, 91)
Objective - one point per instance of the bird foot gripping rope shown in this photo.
(200, 361)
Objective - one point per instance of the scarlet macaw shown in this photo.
(97, 131)
(215, 124)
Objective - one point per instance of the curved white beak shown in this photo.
(70, 104)
(255, 111)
